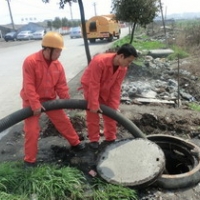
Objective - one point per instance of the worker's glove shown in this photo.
(39, 110)
(96, 111)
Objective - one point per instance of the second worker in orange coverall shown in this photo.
(44, 79)
(101, 84)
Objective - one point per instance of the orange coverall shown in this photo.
(42, 83)
(101, 85)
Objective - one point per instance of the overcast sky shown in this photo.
(24, 11)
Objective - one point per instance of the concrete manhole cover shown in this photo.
(134, 162)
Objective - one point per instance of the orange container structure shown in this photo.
(102, 27)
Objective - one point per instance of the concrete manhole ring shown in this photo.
(131, 162)
(182, 162)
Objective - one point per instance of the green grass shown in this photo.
(46, 181)
(178, 52)
(140, 44)
(120, 42)
(6, 196)
(148, 45)
(194, 106)
(145, 45)
(55, 183)
(187, 23)
(107, 191)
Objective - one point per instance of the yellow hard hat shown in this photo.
(53, 40)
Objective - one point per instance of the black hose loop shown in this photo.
(24, 113)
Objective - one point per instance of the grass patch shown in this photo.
(140, 44)
(47, 182)
(178, 52)
(146, 45)
(6, 196)
(121, 41)
(55, 183)
(187, 23)
(194, 106)
(108, 191)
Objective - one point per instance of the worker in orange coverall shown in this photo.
(44, 79)
(101, 84)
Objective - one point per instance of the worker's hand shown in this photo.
(38, 111)
(97, 111)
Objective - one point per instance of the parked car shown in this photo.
(75, 32)
(38, 35)
(11, 36)
(24, 35)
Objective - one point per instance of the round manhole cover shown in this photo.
(134, 162)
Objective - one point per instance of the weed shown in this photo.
(194, 106)
(109, 191)
(46, 182)
(53, 182)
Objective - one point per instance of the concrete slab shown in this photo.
(158, 53)
(133, 162)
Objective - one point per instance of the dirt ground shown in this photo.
(152, 118)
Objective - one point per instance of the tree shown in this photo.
(65, 22)
(137, 12)
(49, 24)
(57, 23)
(62, 5)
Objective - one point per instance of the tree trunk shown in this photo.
(132, 33)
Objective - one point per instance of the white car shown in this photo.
(38, 35)
(24, 35)
(75, 32)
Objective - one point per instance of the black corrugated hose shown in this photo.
(24, 113)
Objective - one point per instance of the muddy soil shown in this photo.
(151, 118)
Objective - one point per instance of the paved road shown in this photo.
(12, 55)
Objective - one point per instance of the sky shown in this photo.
(24, 11)
(36, 10)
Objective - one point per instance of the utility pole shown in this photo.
(163, 21)
(70, 7)
(178, 81)
(95, 11)
(11, 17)
(165, 13)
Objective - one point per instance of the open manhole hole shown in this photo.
(131, 162)
(182, 162)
